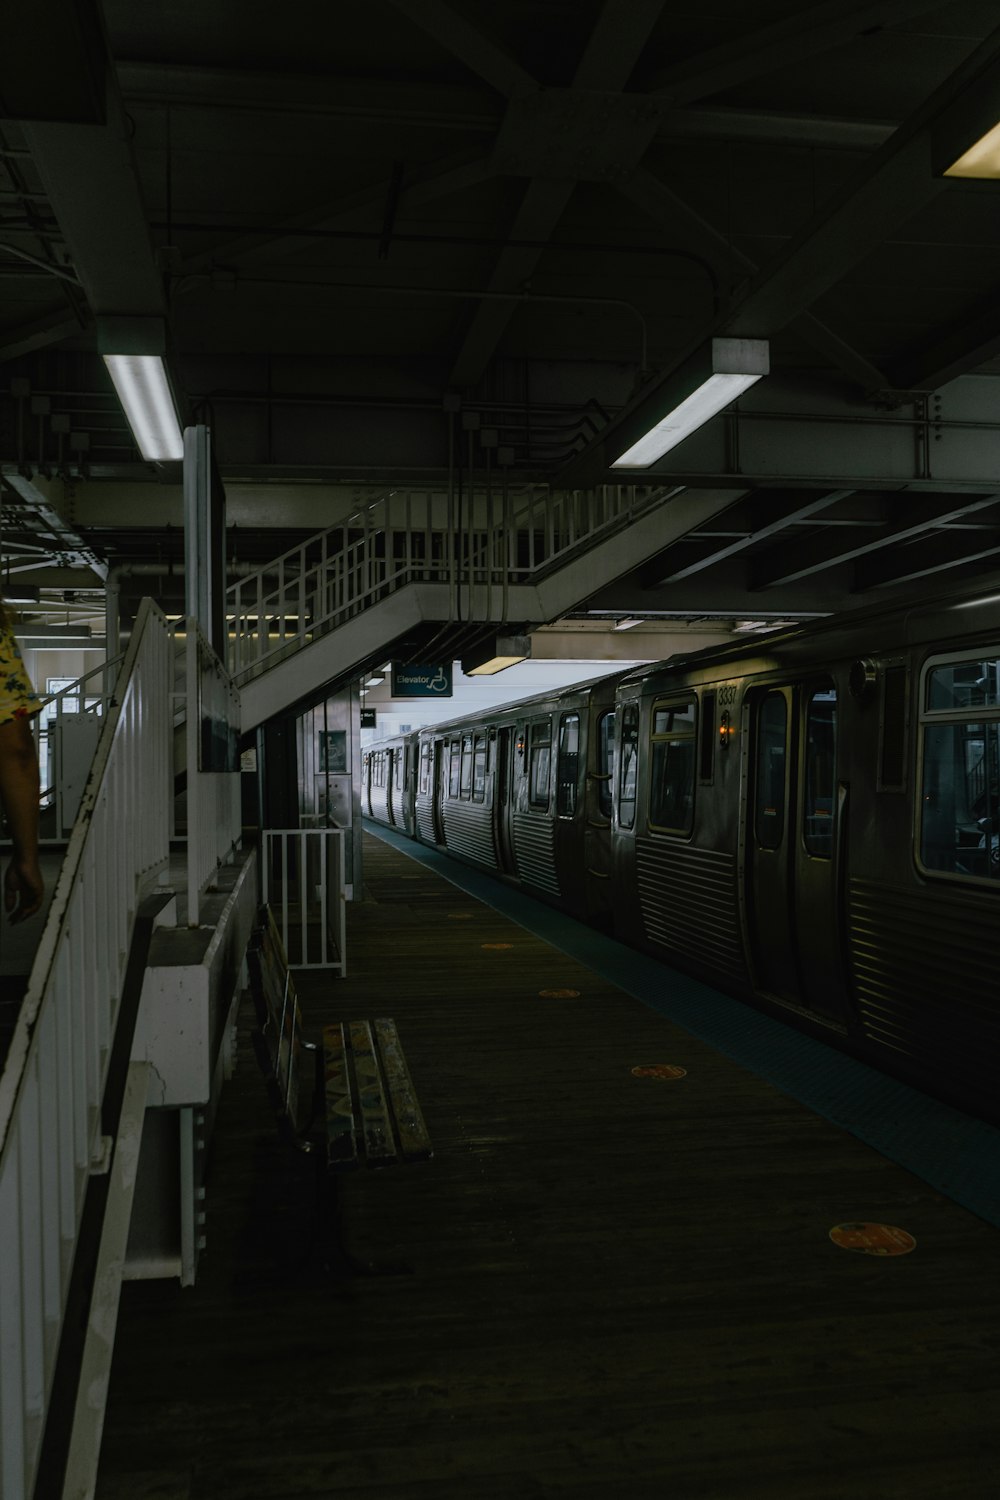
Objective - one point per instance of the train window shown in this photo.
(671, 792)
(466, 779)
(769, 810)
(892, 731)
(539, 759)
(454, 768)
(820, 772)
(479, 769)
(707, 758)
(605, 760)
(964, 684)
(568, 765)
(425, 769)
(630, 765)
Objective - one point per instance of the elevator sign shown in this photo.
(415, 681)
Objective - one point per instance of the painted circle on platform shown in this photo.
(873, 1239)
(498, 945)
(659, 1070)
(559, 994)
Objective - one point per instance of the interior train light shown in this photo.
(711, 380)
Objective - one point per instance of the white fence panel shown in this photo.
(303, 883)
(214, 812)
(53, 1081)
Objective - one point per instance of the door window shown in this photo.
(820, 772)
(630, 765)
(672, 750)
(605, 760)
(769, 814)
(568, 765)
(539, 760)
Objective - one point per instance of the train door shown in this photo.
(503, 800)
(791, 827)
(440, 772)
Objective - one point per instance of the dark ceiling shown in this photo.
(530, 211)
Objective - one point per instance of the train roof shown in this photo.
(518, 705)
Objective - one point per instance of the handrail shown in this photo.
(52, 1086)
(512, 537)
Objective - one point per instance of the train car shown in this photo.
(524, 791)
(812, 821)
(809, 820)
(387, 782)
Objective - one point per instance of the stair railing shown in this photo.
(53, 1083)
(478, 544)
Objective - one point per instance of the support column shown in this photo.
(204, 538)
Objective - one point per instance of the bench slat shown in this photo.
(341, 1136)
(413, 1137)
(373, 1107)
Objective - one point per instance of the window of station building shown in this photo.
(539, 761)
(479, 769)
(820, 779)
(960, 769)
(672, 751)
(466, 780)
(629, 765)
(568, 765)
(605, 761)
(454, 767)
(769, 808)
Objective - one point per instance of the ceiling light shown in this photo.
(495, 654)
(701, 388)
(375, 679)
(133, 350)
(21, 593)
(626, 623)
(982, 159)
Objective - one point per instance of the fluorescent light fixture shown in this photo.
(375, 680)
(141, 383)
(982, 160)
(701, 388)
(627, 623)
(496, 654)
(21, 593)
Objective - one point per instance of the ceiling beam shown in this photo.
(427, 185)
(479, 53)
(805, 34)
(959, 350)
(800, 558)
(930, 554)
(782, 514)
(612, 50)
(40, 333)
(661, 204)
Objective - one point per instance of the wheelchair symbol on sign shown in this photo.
(439, 682)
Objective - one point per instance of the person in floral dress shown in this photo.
(23, 886)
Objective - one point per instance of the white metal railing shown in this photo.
(483, 543)
(66, 733)
(303, 882)
(214, 811)
(53, 1082)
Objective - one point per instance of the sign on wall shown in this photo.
(416, 681)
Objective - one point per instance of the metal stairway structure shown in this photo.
(434, 571)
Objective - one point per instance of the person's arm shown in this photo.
(19, 787)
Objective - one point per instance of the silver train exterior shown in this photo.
(809, 820)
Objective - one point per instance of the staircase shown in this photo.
(416, 560)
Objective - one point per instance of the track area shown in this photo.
(621, 1285)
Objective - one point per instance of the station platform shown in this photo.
(620, 1277)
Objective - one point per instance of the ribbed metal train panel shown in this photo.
(534, 849)
(468, 831)
(924, 966)
(688, 902)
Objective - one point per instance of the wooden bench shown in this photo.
(348, 1102)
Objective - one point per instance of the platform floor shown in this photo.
(620, 1286)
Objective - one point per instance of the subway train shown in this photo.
(809, 820)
